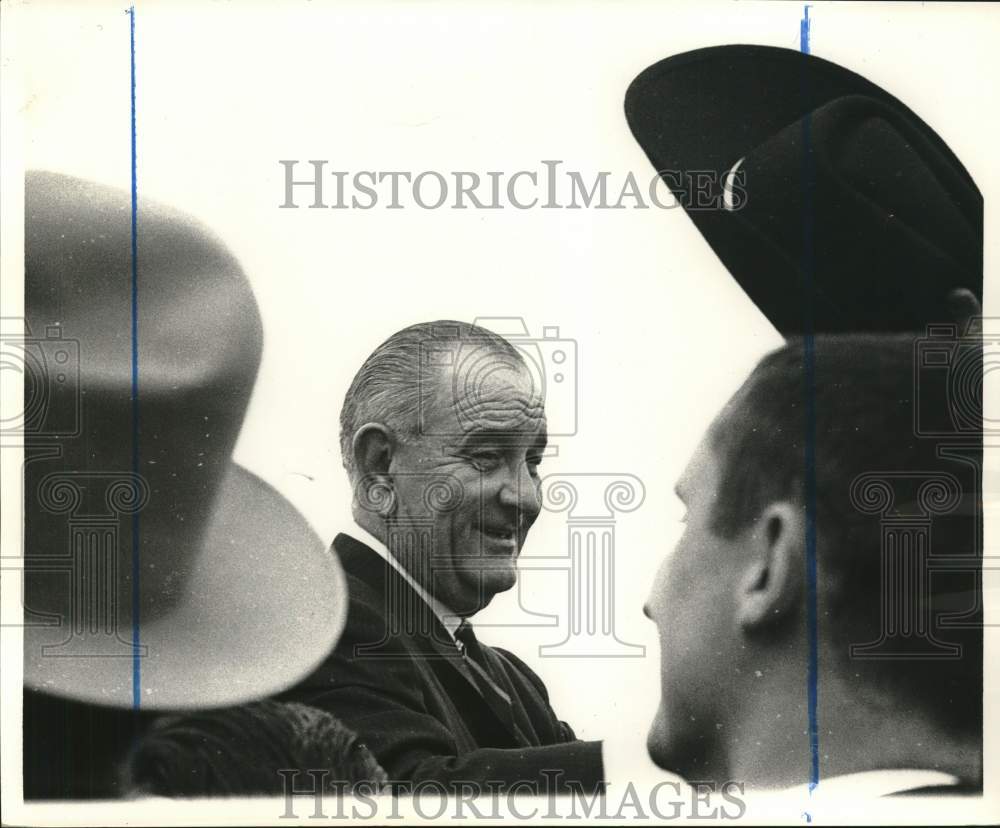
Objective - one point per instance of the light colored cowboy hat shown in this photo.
(158, 572)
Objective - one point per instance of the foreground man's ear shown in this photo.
(772, 585)
(373, 446)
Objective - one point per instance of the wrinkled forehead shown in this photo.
(497, 395)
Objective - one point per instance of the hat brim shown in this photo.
(264, 605)
(708, 109)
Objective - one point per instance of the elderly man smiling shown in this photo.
(442, 433)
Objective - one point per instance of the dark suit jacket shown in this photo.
(397, 679)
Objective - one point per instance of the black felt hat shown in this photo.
(832, 204)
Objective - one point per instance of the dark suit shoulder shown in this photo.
(368, 654)
(367, 612)
(511, 661)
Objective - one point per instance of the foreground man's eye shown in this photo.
(485, 460)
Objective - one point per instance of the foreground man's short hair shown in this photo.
(856, 396)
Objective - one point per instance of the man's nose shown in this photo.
(521, 491)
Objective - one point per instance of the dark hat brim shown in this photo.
(707, 109)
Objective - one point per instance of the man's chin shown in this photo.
(488, 583)
(500, 580)
(683, 752)
(657, 741)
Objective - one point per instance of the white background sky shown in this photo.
(664, 335)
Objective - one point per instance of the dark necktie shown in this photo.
(468, 644)
(475, 658)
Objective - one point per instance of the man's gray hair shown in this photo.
(386, 388)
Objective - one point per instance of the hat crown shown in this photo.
(133, 400)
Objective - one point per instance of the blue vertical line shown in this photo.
(136, 671)
(809, 387)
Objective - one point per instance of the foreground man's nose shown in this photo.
(523, 493)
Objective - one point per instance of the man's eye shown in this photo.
(534, 461)
(485, 459)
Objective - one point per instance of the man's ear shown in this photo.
(772, 584)
(373, 446)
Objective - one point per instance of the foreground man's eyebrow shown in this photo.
(496, 437)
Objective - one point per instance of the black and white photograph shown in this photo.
(423, 412)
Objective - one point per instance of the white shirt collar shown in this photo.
(876, 783)
(447, 617)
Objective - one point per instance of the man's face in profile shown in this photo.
(485, 441)
(692, 605)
